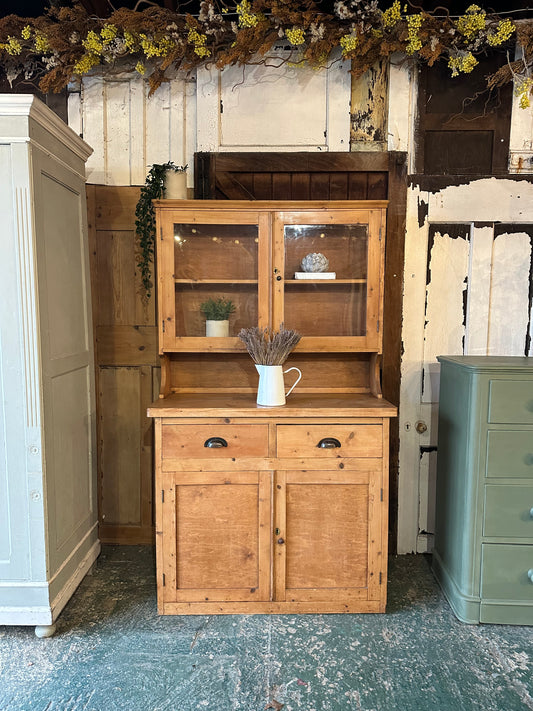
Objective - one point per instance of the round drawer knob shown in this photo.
(281, 541)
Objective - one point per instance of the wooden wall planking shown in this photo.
(127, 369)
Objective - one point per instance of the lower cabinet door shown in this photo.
(216, 537)
(327, 537)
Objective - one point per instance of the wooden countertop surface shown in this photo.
(298, 405)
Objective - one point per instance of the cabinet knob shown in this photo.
(215, 442)
(278, 278)
(531, 513)
(329, 443)
(281, 541)
(530, 575)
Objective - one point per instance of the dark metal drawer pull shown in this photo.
(215, 442)
(329, 443)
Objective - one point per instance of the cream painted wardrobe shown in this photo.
(48, 517)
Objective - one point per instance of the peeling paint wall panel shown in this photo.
(402, 107)
(369, 109)
(509, 295)
(117, 141)
(485, 200)
(521, 138)
(416, 246)
(444, 328)
(300, 109)
(478, 301)
(497, 312)
(427, 489)
(129, 130)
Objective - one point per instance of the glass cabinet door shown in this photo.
(326, 276)
(213, 260)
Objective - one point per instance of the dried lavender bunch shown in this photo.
(269, 347)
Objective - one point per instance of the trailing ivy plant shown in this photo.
(153, 189)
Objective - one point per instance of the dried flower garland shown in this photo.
(66, 42)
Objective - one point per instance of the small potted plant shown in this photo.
(157, 186)
(217, 313)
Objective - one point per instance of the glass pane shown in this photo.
(327, 295)
(215, 262)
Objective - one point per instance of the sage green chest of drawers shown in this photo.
(483, 556)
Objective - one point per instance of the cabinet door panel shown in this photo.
(216, 542)
(342, 301)
(330, 533)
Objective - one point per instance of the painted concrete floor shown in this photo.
(112, 652)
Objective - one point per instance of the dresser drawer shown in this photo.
(329, 441)
(510, 453)
(509, 511)
(511, 401)
(213, 441)
(504, 572)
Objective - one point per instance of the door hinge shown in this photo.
(163, 326)
(221, 107)
(380, 234)
(161, 234)
(381, 495)
(165, 580)
(380, 578)
(163, 496)
(377, 326)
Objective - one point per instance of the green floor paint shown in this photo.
(112, 652)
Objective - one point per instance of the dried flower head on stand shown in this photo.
(269, 347)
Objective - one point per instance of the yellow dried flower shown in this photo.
(86, 63)
(247, 18)
(472, 22)
(153, 48)
(139, 67)
(296, 36)
(92, 43)
(348, 43)
(523, 90)
(12, 46)
(199, 41)
(504, 30)
(393, 14)
(414, 23)
(108, 33)
(42, 44)
(462, 63)
(26, 32)
(130, 41)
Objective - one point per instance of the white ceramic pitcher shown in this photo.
(271, 390)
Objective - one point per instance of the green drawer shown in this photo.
(504, 572)
(508, 511)
(510, 454)
(511, 402)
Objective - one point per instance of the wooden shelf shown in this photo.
(325, 281)
(215, 281)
